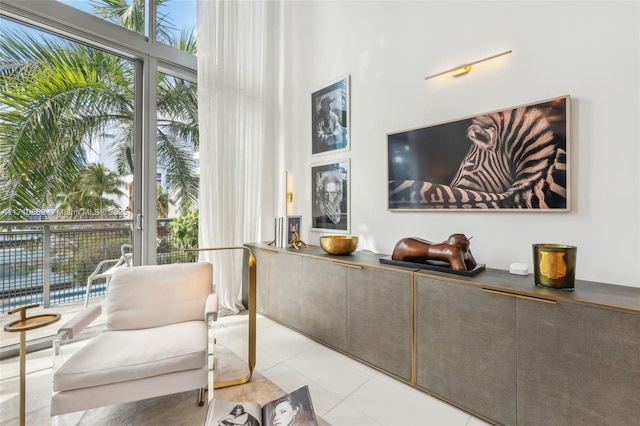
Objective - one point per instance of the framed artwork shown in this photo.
(330, 196)
(330, 118)
(294, 225)
(514, 159)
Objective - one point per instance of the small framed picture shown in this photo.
(330, 118)
(330, 196)
(293, 227)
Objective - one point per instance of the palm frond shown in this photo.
(181, 178)
(57, 98)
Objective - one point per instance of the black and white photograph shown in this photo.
(292, 409)
(330, 196)
(330, 118)
(514, 159)
(293, 226)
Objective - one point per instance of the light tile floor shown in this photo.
(344, 391)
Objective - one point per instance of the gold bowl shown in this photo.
(339, 244)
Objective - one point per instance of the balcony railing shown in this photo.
(48, 262)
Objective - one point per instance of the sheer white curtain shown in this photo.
(232, 58)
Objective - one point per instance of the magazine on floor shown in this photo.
(292, 409)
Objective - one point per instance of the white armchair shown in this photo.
(106, 268)
(155, 341)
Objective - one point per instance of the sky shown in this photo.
(182, 12)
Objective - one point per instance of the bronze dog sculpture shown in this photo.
(455, 251)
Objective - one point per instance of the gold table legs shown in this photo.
(22, 325)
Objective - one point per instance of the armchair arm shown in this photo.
(211, 308)
(70, 330)
(75, 325)
(210, 316)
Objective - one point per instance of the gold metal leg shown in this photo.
(23, 376)
(252, 318)
(22, 325)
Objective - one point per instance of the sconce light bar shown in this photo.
(288, 180)
(460, 71)
(464, 69)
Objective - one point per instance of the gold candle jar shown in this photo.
(554, 265)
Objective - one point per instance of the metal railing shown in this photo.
(48, 262)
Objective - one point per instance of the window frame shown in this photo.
(150, 58)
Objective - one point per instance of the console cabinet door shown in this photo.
(380, 318)
(577, 365)
(324, 302)
(285, 288)
(466, 347)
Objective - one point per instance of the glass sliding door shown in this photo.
(67, 120)
(177, 168)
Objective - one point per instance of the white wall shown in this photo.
(588, 50)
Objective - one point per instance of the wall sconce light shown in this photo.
(464, 69)
(289, 192)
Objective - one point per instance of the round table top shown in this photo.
(30, 323)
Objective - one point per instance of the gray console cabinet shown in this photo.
(324, 302)
(263, 280)
(494, 344)
(577, 365)
(380, 318)
(336, 300)
(285, 288)
(466, 347)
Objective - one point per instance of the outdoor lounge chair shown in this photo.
(106, 268)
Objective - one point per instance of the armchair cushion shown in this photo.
(154, 296)
(122, 356)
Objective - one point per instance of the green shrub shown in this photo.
(184, 232)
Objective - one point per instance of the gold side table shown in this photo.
(22, 325)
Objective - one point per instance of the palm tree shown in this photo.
(57, 97)
(88, 197)
(98, 181)
(53, 101)
(162, 202)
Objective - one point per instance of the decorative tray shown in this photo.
(434, 265)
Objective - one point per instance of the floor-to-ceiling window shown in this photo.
(99, 121)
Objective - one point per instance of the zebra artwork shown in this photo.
(516, 161)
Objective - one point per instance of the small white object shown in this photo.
(519, 269)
